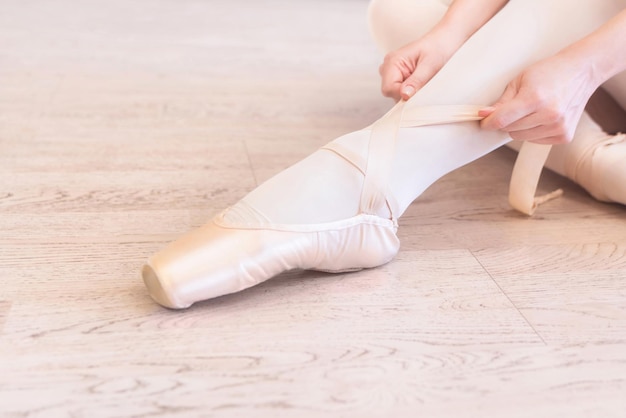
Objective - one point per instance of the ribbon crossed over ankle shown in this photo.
(376, 195)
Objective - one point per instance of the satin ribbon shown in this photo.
(377, 168)
(525, 178)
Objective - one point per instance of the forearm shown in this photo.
(602, 54)
(465, 17)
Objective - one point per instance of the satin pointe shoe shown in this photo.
(224, 257)
(594, 160)
(597, 162)
(240, 248)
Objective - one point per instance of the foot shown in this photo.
(334, 211)
(307, 217)
(224, 257)
(595, 160)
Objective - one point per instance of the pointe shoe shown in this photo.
(597, 162)
(224, 257)
(594, 160)
(239, 248)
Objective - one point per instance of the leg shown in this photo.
(312, 215)
(519, 35)
(393, 23)
(595, 159)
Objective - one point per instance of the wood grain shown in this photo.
(121, 129)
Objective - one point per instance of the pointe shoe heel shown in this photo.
(220, 258)
(596, 161)
(608, 172)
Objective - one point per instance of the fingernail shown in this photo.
(486, 111)
(408, 91)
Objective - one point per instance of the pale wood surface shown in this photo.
(120, 129)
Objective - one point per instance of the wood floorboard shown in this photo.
(124, 125)
(569, 293)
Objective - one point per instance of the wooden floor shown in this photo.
(121, 128)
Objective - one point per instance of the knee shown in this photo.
(394, 23)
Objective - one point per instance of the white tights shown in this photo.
(324, 188)
(394, 23)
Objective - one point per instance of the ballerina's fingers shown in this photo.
(550, 133)
(391, 84)
(520, 119)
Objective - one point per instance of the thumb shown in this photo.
(509, 93)
(418, 79)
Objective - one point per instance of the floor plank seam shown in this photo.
(254, 177)
(508, 298)
(5, 307)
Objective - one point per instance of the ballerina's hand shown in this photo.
(406, 70)
(544, 103)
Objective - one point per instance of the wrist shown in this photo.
(594, 65)
(603, 53)
(583, 67)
